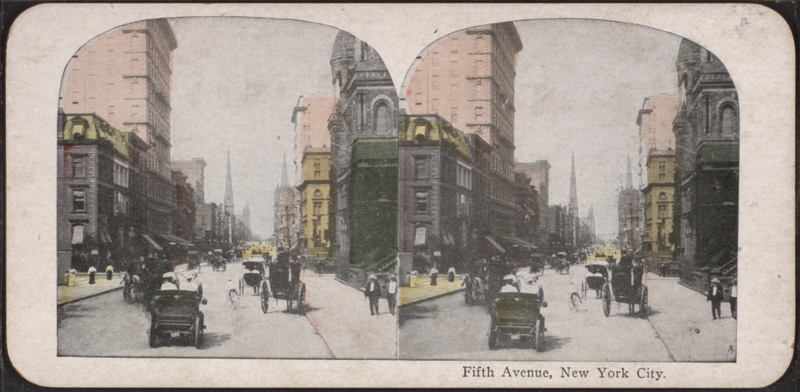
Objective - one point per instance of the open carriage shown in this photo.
(625, 285)
(517, 314)
(284, 283)
(597, 279)
(177, 314)
(252, 276)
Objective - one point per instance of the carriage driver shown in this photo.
(510, 284)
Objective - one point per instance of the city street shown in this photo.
(106, 326)
(679, 328)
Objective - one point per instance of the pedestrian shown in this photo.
(734, 296)
(391, 291)
(434, 275)
(715, 296)
(373, 292)
(451, 275)
(92, 271)
(109, 271)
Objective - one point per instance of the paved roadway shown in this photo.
(106, 326)
(447, 328)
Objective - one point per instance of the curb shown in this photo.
(430, 298)
(90, 296)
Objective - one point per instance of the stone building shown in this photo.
(707, 136)
(317, 203)
(124, 77)
(468, 79)
(290, 229)
(436, 184)
(94, 193)
(363, 138)
(194, 170)
(539, 173)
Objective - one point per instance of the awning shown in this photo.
(517, 241)
(495, 244)
(153, 243)
(176, 240)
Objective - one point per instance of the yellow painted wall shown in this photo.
(317, 184)
(661, 192)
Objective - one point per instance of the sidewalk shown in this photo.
(682, 319)
(424, 291)
(82, 289)
(341, 316)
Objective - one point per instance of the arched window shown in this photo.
(662, 196)
(728, 120)
(382, 117)
(317, 193)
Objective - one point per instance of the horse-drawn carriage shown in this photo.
(218, 261)
(624, 284)
(517, 314)
(284, 283)
(597, 279)
(253, 276)
(177, 314)
(560, 263)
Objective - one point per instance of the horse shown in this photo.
(131, 289)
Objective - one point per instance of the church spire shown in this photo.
(229, 188)
(629, 179)
(573, 190)
(284, 172)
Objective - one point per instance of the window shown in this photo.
(662, 196)
(728, 120)
(662, 177)
(478, 113)
(707, 125)
(317, 208)
(421, 202)
(382, 117)
(662, 211)
(435, 82)
(421, 167)
(79, 200)
(79, 166)
(435, 104)
(478, 67)
(418, 99)
(420, 236)
(77, 234)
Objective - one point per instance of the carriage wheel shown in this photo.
(538, 335)
(198, 331)
(643, 303)
(493, 332)
(154, 341)
(241, 285)
(301, 299)
(264, 299)
(606, 300)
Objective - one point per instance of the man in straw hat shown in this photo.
(715, 296)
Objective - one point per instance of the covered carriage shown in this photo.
(625, 284)
(283, 282)
(517, 314)
(177, 315)
(253, 276)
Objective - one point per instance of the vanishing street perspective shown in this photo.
(162, 125)
(568, 191)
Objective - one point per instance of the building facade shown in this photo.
(539, 173)
(291, 228)
(124, 76)
(93, 193)
(194, 170)
(314, 122)
(707, 136)
(317, 203)
(468, 80)
(435, 215)
(363, 137)
(660, 206)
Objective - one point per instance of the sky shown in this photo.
(235, 82)
(579, 87)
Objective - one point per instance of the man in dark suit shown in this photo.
(373, 292)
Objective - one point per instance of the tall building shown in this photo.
(660, 208)
(573, 190)
(707, 136)
(363, 131)
(630, 214)
(435, 195)
(539, 173)
(655, 128)
(314, 122)
(194, 170)
(317, 202)
(468, 79)
(290, 226)
(229, 189)
(124, 77)
(284, 184)
(246, 220)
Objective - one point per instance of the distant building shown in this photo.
(184, 215)
(660, 206)
(707, 136)
(539, 173)
(528, 205)
(314, 122)
(435, 195)
(317, 202)
(229, 206)
(290, 220)
(655, 129)
(194, 170)
(468, 79)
